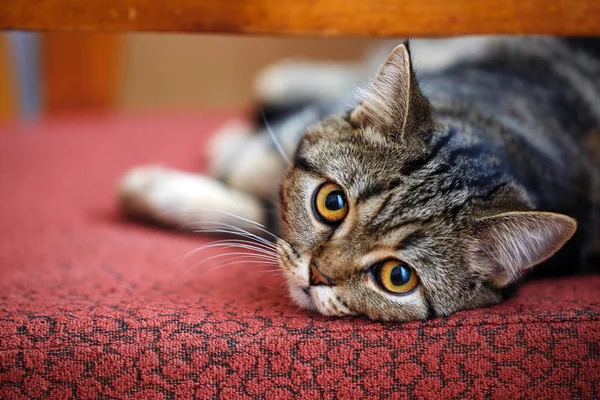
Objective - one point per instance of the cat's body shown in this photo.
(462, 183)
(531, 107)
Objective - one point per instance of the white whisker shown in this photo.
(270, 255)
(233, 243)
(251, 258)
(253, 263)
(233, 230)
(247, 261)
(220, 255)
(256, 246)
(274, 139)
(256, 226)
(248, 240)
(200, 225)
(235, 216)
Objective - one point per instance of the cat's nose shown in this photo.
(317, 277)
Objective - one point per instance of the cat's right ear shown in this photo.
(508, 244)
(393, 103)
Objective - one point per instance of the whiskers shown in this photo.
(276, 141)
(248, 242)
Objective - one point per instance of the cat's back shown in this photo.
(533, 103)
(538, 98)
(542, 84)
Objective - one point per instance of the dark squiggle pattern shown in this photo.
(95, 308)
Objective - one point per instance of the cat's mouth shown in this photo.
(308, 297)
(302, 297)
(320, 298)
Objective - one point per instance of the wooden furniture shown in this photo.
(80, 71)
(308, 17)
(7, 90)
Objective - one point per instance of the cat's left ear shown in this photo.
(508, 244)
(393, 103)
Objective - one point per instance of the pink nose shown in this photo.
(318, 278)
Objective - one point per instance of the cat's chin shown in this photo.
(318, 301)
(301, 299)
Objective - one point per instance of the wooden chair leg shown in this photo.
(8, 95)
(80, 71)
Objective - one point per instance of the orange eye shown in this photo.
(330, 204)
(396, 277)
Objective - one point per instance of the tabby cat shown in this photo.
(424, 196)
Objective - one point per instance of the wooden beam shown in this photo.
(308, 17)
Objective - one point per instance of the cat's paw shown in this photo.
(304, 81)
(182, 199)
(147, 190)
(245, 160)
(225, 143)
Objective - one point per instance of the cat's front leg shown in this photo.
(246, 159)
(253, 160)
(184, 200)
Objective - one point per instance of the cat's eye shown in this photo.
(395, 277)
(330, 204)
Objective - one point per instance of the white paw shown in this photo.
(226, 141)
(246, 160)
(141, 179)
(145, 190)
(182, 199)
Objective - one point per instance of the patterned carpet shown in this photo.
(93, 306)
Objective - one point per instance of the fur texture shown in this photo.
(470, 176)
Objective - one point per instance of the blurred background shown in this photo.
(53, 73)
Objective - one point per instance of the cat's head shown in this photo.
(378, 223)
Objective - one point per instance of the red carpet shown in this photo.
(92, 306)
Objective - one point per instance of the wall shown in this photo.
(187, 71)
(54, 73)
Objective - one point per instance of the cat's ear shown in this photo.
(392, 102)
(513, 242)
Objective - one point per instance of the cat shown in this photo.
(420, 198)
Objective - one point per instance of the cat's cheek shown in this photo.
(296, 276)
(414, 309)
(387, 307)
(295, 281)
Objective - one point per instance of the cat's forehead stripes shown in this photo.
(420, 176)
(414, 188)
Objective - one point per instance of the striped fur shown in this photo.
(472, 174)
(471, 190)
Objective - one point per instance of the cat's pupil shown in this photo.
(334, 201)
(400, 275)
